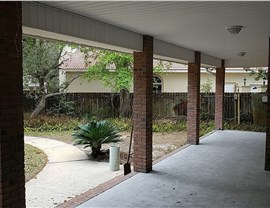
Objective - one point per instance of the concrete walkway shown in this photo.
(67, 174)
(225, 170)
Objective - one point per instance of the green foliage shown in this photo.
(165, 125)
(122, 124)
(206, 127)
(94, 134)
(168, 126)
(62, 107)
(41, 62)
(113, 69)
(245, 126)
(34, 161)
(98, 114)
(207, 86)
(45, 123)
(258, 72)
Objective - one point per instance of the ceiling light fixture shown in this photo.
(242, 53)
(234, 29)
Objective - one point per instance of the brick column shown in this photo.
(142, 106)
(219, 97)
(12, 191)
(193, 100)
(267, 146)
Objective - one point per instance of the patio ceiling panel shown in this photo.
(54, 23)
(194, 25)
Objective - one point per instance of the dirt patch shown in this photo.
(163, 143)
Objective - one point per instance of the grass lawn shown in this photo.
(34, 160)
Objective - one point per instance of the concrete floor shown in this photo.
(225, 170)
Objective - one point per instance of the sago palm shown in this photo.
(94, 134)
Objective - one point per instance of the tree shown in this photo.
(41, 61)
(115, 70)
(207, 86)
(259, 73)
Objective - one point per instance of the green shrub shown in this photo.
(122, 124)
(168, 126)
(206, 127)
(49, 123)
(165, 125)
(62, 107)
(245, 126)
(94, 134)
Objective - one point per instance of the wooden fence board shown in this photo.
(165, 105)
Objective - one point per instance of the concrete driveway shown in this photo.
(225, 170)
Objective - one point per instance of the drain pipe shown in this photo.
(114, 158)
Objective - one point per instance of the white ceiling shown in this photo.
(198, 26)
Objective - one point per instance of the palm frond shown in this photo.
(96, 133)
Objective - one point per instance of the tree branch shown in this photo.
(67, 83)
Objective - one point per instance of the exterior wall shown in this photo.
(81, 84)
(174, 82)
(12, 180)
(171, 82)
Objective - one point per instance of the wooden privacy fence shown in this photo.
(247, 106)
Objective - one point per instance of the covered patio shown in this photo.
(225, 170)
(194, 33)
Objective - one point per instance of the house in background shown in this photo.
(169, 80)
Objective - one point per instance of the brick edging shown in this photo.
(79, 199)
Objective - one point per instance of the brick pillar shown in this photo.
(193, 100)
(267, 146)
(12, 191)
(142, 106)
(219, 97)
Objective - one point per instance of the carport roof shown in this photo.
(195, 26)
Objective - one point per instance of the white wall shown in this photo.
(82, 84)
(172, 82)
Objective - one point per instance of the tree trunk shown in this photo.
(96, 152)
(124, 103)
(40, 107)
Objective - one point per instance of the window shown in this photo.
(157, 84)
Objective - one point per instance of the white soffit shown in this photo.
(192, 26)
(40, 20)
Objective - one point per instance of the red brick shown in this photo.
(12, 190)
(142, 106)
(193, 100)
(267, 146)
(219, 97)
